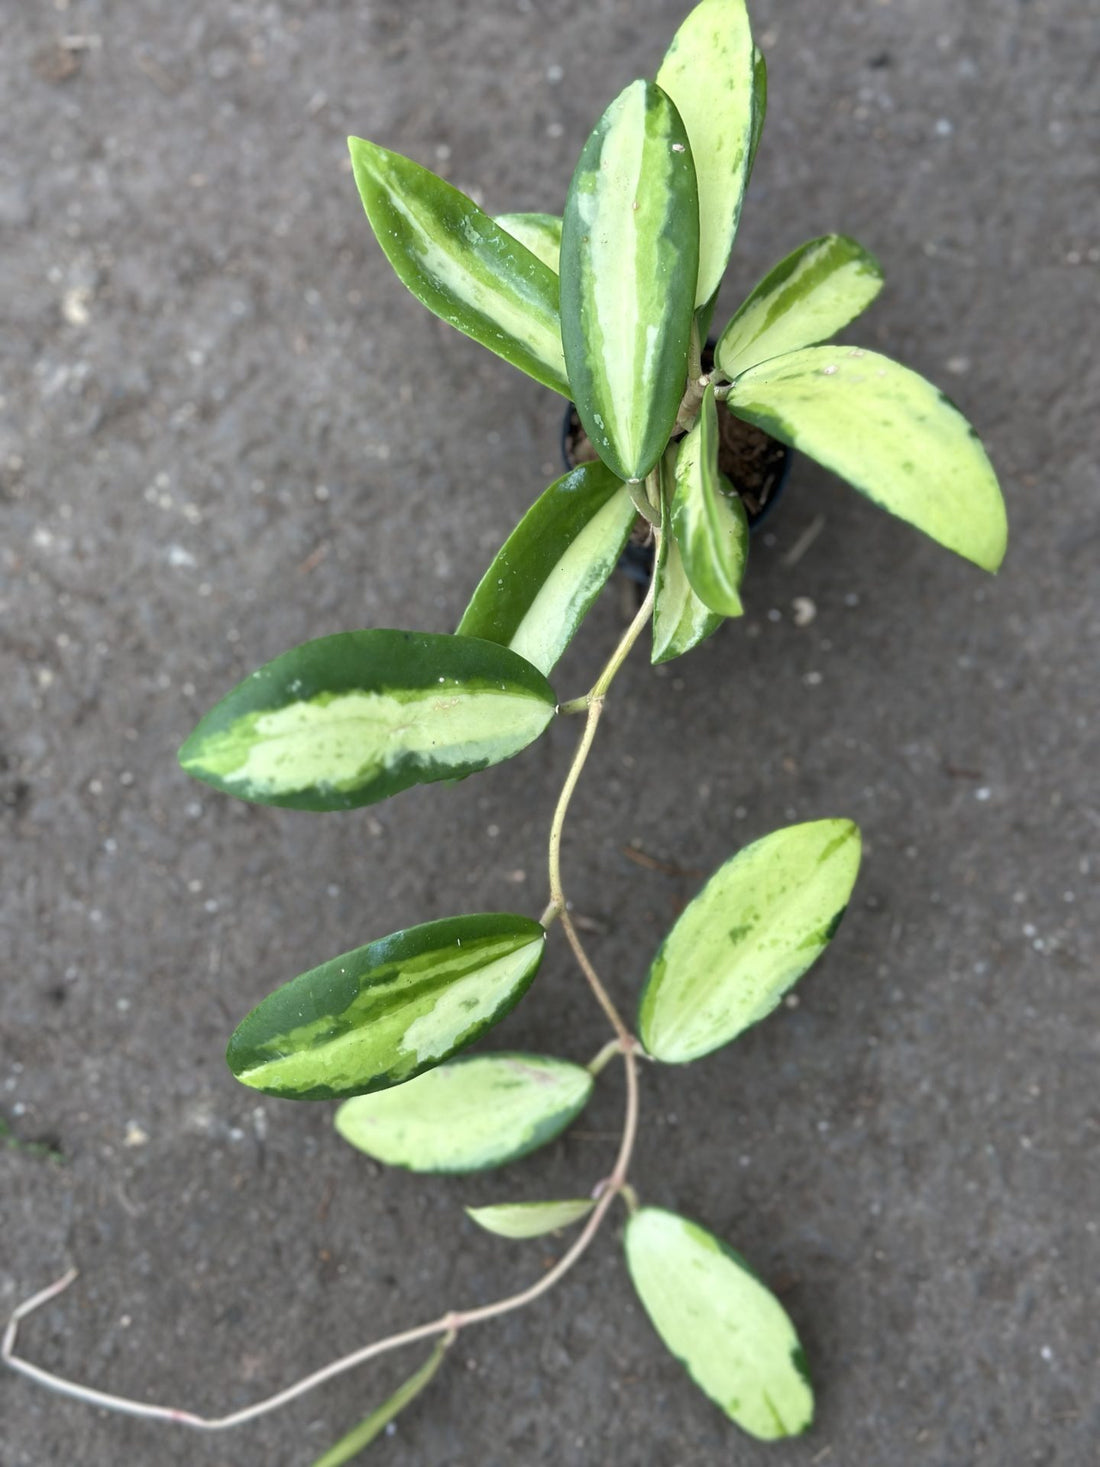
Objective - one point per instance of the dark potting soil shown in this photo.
(751, 459)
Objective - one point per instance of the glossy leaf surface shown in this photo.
(539, 233)
(385, 1012)
(811, 295)
(530, 1219)
(350, 719)
(462, 264)
(708, 73)
(374, 1425)
(703, 317)
(760, 921)
(477, 1112)
(890, 434)
(759, 104)
(680, 620)
(709, 522)
(553, 566)
(729, 1332)
(629, 256)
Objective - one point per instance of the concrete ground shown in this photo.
(226, 428)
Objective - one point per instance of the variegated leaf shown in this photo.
(477, 1112)
(530, 1219)
(761, 920)
(680, 620)
(553, 566)
(540, 233)
(709, 522)
(629, 257)
(759, 105)
(349, 719)
(729, 1332)
(461, 264)
(891, 434)
(708, 73)
(379, 1015)
(808, 297)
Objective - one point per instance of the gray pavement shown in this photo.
(226, 428)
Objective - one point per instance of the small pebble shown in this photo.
(804, 610)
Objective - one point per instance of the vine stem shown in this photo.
(446, 1324)
(450, 1323)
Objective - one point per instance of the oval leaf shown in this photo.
(680, 620)
(729, 1332)
(808, 297)
(530, 1219)
(892, 435)
(761, 920)
(379, 1015)
(475, 1113)
(349, 719)
(708, 73)
(553, 566)
(708, 519)
(629, 256)
(539, 233)
(461, 264)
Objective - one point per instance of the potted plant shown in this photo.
(609, 306)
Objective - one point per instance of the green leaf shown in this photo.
(477, 1112)
(373, 1425)
(530, 1219)
(808, 297)
(729, 1332)
(759, 105)
(461, 264)
(708, 519)
(385, 1012)
(539, 233)
(349, 719)
(891, 434)
(761, 920)
(629, 257)
(553, 566)
(680, 620)
(703, 317)
(708, 73)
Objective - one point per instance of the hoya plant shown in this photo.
(609, 306)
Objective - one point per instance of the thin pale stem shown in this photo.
(695, 352)
(600, 1061)
(558, 906)
(603, 998)
(557, 895)
(447, 1324)
(631, 635)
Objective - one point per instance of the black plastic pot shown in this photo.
(756, 464)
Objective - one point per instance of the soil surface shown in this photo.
(752, 460)
(226, 428)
